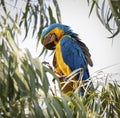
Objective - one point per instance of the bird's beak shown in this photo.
(49, 40)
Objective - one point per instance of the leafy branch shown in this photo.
(108, 12)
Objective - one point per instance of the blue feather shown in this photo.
(67, 29)
(73, 55)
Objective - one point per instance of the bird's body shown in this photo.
(70, 56)
(70, 52)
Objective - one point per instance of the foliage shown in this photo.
(32, 15)
(24, 91)
(24, 80)
(108, 12)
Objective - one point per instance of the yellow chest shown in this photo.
(63, 67)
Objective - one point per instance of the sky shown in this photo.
(104, 51)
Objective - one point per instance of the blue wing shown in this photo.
(73, 55)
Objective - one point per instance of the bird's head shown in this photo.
(53, 33)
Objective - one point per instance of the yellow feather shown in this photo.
(58, 32)
(60, 62)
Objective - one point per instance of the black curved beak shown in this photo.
(49, 40)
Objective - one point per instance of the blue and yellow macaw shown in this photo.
(70, 52)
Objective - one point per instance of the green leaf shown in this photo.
(10, 39)
(52, 19)
(67, 110)
(38, 110)
(21, 81)
(3, 5)
(35, 19)
(57, 11)
(92, 6)
(57, 107)
(116, 33)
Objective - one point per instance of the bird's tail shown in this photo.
(86, 74)
(87, 84)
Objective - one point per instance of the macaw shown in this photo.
(70, 52)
